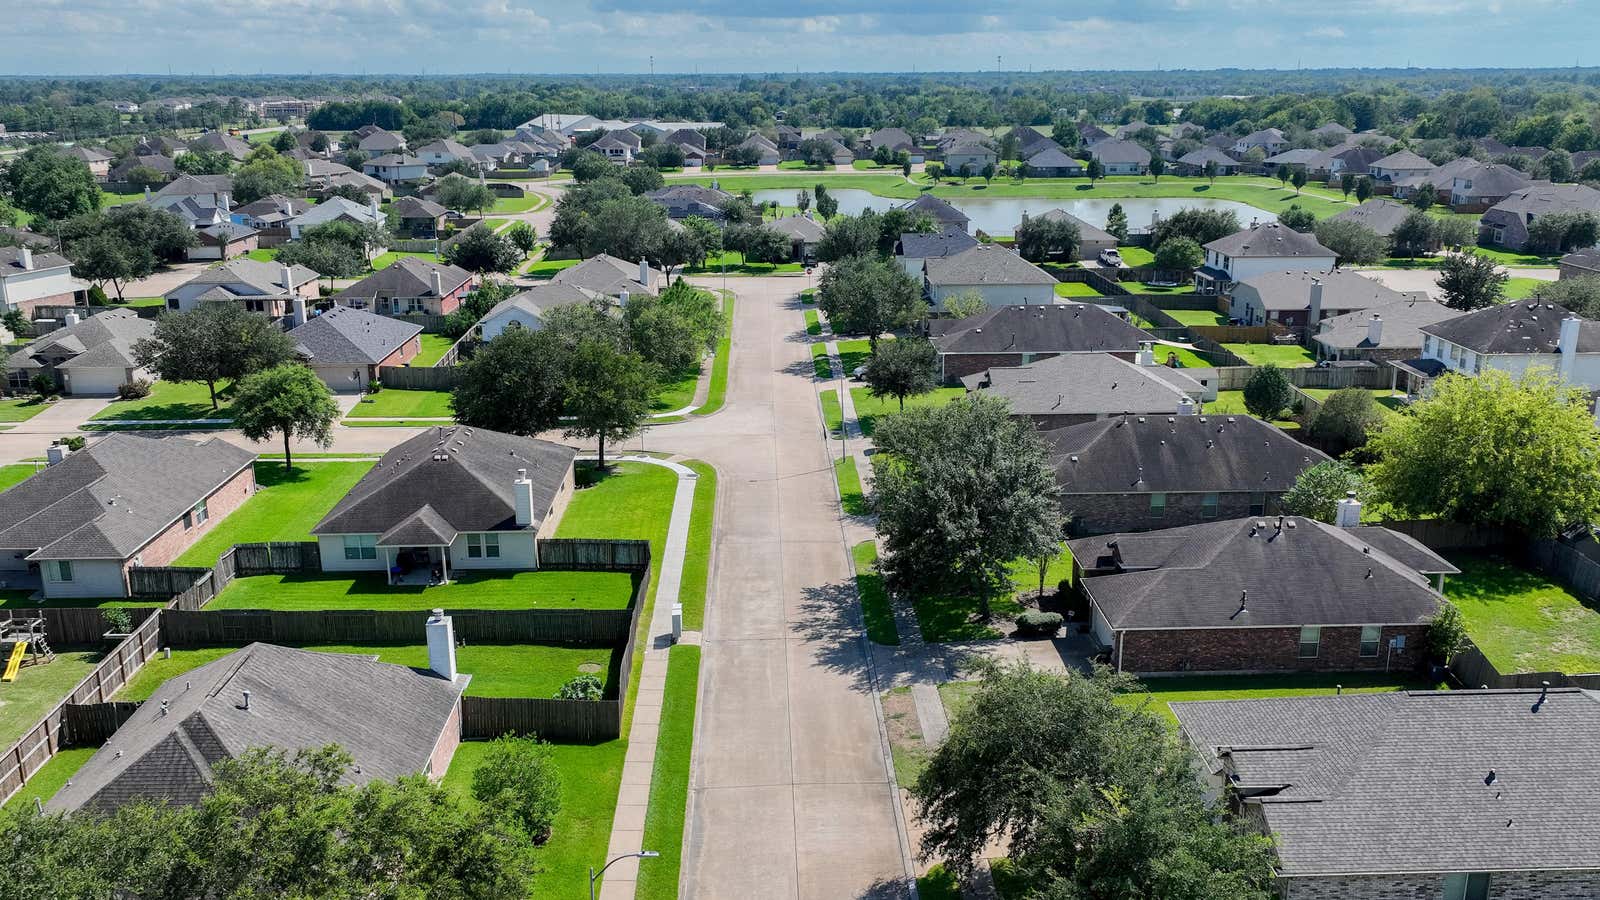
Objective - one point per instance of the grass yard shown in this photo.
(22, 598)
(854, 354)
(497, 670)
(1285, 356)
(632, 501)
(510, 590)
(263, 254)
(16, 473)
(171, 400)
(1165, 691)
(391, 423)
(434, 347)
(548, 268)
(675, 394)
(819, 361)
(389, 258)
(908, 750)
(850, 494)
(398, 403)
(1187, 359)
(285, 507)
(870, 409)
(1137, 257)
(39, 688)
(1521, 620)
(1025, 573)
(808, 297)
(1198, 316)
(717, 387)
(735, 264)
(1518, 288)
(1231, 403)
(875, 607)
(1517, 258)
(813, 324)
(526, 203)
(697, 555)
(669, 781)
(1076, 289)
(21, 409)
(1164, 289)
(45, 782)
(1391, 403)
(953, 617)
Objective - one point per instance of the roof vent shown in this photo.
(1544, 694)
(246, 704)
(1490, 779)
(1073, 457)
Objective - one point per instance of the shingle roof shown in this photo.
(606, 274)
(798, 228)
(1057, 328)
(940, 211)
(11, 260)
(394, 159)
(1272, 240)
(1166, 452)
(335, 208)
(1491, 180)
(112, 498)
(1400, 782)
(926, 244)
(1086, 231)
(1086, 383)
(116, 329)
(1521, 326)
(542, 298)
(464, 474)
(388, 717)
(354, 336)
(1381, 215)
(1341, 289)
(1309, 573)
(409, 276)
(381, 140)
(985, 264)
(1588, 260)
(1208, 154)
(1053, 157)
(261, 278)
(1404, 159)
(445, 147)
(417, 208)
(1543, 199)
(227, 143)
(193, 185)
(275, 203)
(1114, 151)
(1402, 325)
(1264, 136)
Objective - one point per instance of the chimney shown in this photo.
(1348, 514)
(147, 193)
(1375, 330)
(441, 645)
(286, 275)
(1567, 345)
(372, 207)
(438, 283)
(71, 319)
(299, 305)
(1146, 355)
(27, 257)
(56, 452)
(1186, 407)
(644, 272)
(1316, 302)
(522, 492)
(622, 297)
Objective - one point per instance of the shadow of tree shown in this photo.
(887, 889)
(829, 622)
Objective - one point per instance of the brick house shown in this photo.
(1018, 335)
(346, 347)
(1299, 299)
(79, 525)
(1260, 594)
(1581, 264)
(31, 278)
(1082, 387)
(411, 286)
(1135, 473)
(1413, 795)
(1505, 224)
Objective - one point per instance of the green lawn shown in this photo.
(820, 365)
(22, 598)
(875, 608)
(1076, 289)
(844, 472)
(1187, 359)
(509, 590)
(395, 423)
(808, 296)
(854, 354)
(632, 501)
(525, 203)
(697, 556)
(1391, 403)
(908, 748)
(387, 259)
(813, 324)
(717, 387)
(870, 409)
(548, 268)
(953, 617)
(734, 264)
(434, 347)
(1518, 288)
(398, 403)
(832, 412)
(285, 507)
(1521, 620)
(669, 780)
(1137, 257)
(39, 688)
(263, 254)
(1231, 403)
(45, 782)
(1518, 259)
(1197, 316)
(675, 394)
(21, 409)
(16, 473)
(171, 400)
(1162, 289)
(1164, 691)
(1282, 355)
(1025, 572)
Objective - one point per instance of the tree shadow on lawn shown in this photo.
(200, 409)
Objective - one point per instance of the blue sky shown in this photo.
(54, 37)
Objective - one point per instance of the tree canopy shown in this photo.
(868, 295)
(289, 400)
(903, 368)
(1469, 281)
(50, 185)
(213, 342)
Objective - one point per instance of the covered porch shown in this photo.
(417, 551)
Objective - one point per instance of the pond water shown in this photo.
(1000, 215)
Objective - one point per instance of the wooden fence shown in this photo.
(1233, 377)
(73, 626)
(274, 558)
(419, 378)
(183, 629)
(463, 345)
(39, 743)
(163, 581)
(566, 721)
(1474, 670)
(1272, 333)
(590, 555)
(92, 724)
(1568, 565)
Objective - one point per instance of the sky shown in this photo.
(62, 37)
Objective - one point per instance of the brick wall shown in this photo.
(170, 544)
(1261, 650)
(449, 740)
(402, 354)
(1105, 513)
(1502, 886)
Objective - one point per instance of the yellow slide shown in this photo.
(18, 650)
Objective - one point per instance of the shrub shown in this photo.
(43, 384)
(1038, 624)
(519, 776)
(137, 389)
(117, 620)
(584, 687)
(74, 442)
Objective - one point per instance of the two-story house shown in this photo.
(1258, 250)
(32, 278)
(1397, 166)
(1271, 141)
(1513, 338)
(1505, 224)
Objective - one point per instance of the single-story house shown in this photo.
(337, 209)
(411, 286)
(224, 240)
(997, 273)
(527, 309)
(1258, 250)
(1505, 224)
(419, 218)
(1194, 162)
(804, 234)
(1379, 333)
(1121, 157)
(1056, 391)
(379, 142)
(1396, 166)
(1260, 594)
(943, 213)
(1017, 335)
(446, 500)
(1458, 795)
(1379, 214)
(223, 142)
(1050, 161)
(31, 278)
(395, 168)
(438, 153)
(916, 247)
(1297, 158)
(684, 200)
(617, 278)
(263, 287)
(88, 357)
(125, 500)
(393, 720)
(1162, 470)
(1092, 241)
(1302, 299)
(346, 347)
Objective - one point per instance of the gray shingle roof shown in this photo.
(409, 276)
(541, 298)
(1079, 383)
(1209, 154)
(464, 474)
(388, 717)
(417, 208)
(1521, 326)
(1490, 180)
(1404, 159)
(1114, 151)
(1053, 157)
(1381, 215)
(380, 141)
(1272, 240)
(118, 327)
(608, 275)
(1058, 328)
(343, 335)
(940, 211)
(1543, 199)
(985, 264)
(1086, 231)
(11, 260)
(1399, 782)
(1342, 289)
(1309, 573)
(1297, 157)
(797, 228)
(1402, 326)
(1588, 260)
(112, 498)
(260, 278)
(1170, 453)
(926, 244)
(194, 185)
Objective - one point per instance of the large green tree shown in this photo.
(1354, 243)
(289, 400)
(1267, 392)
(514, 383)
(1469, 281)
(461, 193)
(1047, 238)
(608, 392)
(482, 249)
(1199, 225)
(266, 173)
(1316, 492)
(50, 185)
(903, 368)
(1345, 419)
(868, 295)
(213, 342)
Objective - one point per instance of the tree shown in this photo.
(1179, 254)
(673, 332)
(460, 193)
(1424, 196)
(1317, 491)
(757, 243)
(1298, 179)
(965, 304)
(1158, 167)
(642, 179)
(1094, 797)
(50, 185)
(608, 392)
(1579, 296)
(964, 172)
(827, 204)
(328, 258)
(964, 490)
(987, 173)
(1447, 634)
(847, 236)
(288, 399)
(350, 192)
(1096, 170)
(1468, 281)
(868, 295)
(1354, 243)
(124, 243)
(522, 236)
(1454, 232)
(1560, 232)
(1267, 393)
(1345, 418)
(903, 368)
(1210, 170)
(1347, 183)
(588, 165)
(1414, 236)
(1117, 222)
(1044, 238)
(144, 177)
(481, 249)
(518, 776)
(1299, 219)
(1364, 189)
(266, 173)
(802, 200)
(1283, 174)
(934, 171)
(213, 342)
(207, 162)
(514, 383)
(1199, 225)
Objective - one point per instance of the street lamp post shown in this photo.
(642, 854)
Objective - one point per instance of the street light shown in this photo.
(642, 854)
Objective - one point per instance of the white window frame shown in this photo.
(491, 545)
(1315, 642)
(360, 546)
(63, 570)
(1375, 641)
(201, 513)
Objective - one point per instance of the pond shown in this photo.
(1000, 215)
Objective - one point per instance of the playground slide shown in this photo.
(18, 650)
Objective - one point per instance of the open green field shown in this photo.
(286, 505)
(1521, 620)
(434, 347)
(39, 688)
(870, 409)
(1285, 356)
(398, 403)
(171, 400)
(507, 590)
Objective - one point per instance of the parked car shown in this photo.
(858, 373)
(1111, 258)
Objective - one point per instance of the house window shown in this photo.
(1258, 504)
(360, 546)
(1310, 640)
(63, 570)
(483, 545)
(1371, 640)
(188, 521)
(200, 513)
(1158, 505)
(491, 546)
(1208, 506)
(1466, 886)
